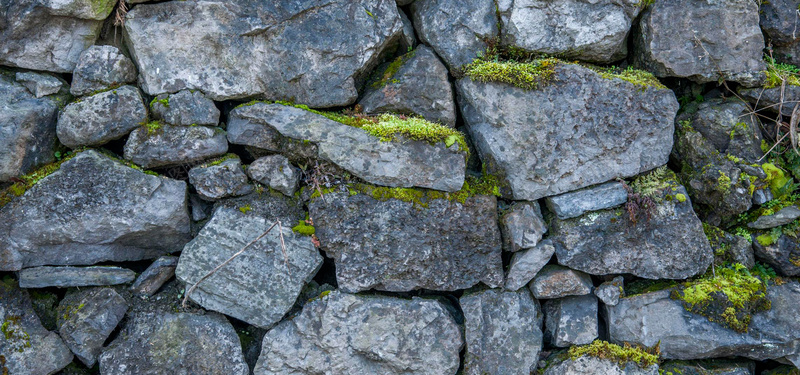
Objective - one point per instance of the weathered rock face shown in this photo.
(586, 365)
(101, 67)
(279, 50)
(276, 172)
(576, 203)
(226, 179)
(555, 281)
(710, 367)
(446, 246)
(785, 216)
(503, 332)
(102, 117)
(577, 146)
(168, 343)
(783, 255)
(174, 145)
(185, 108)
(86, 319)
(724, 42)
(730, 127)
(526, 264)
(49, 35)
(610, 292)
(394, 163)
(777, 19)
(588, 31)
(65, 277)
(39, 84)
(104, 210)
(348, 334)
(571, 320)
(522, 226)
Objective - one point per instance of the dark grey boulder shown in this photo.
(571, 320)
(419, 86)
(710, 367)
(731, 127)
(87, 318)
(572, 130)
(309, 52)
(276, 172)
(555, 281)
(769, 99)
(778, 22)
(100, 68)
(593, 198)
(39, 84)
(341, 333)
(783, 254)
(186, 107)
(526, 264)
(105, 211)
(394, 245)
(610, 292)
(158, 273)
(101, 118)
(409, 39)
(217, 181)
(522, 226)
(170, 145)
(785, 216)
(66, 277)
(588, 365)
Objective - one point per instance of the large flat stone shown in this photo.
(67, 277)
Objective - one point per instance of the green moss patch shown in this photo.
(622, 355)
(637, 77)
(644, 286)
(778, 74)
(219, 160)
(525, 75)
(152, 127)
(27, 181)
(387, 75)
(14, 335)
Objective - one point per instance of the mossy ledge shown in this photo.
(622, 355)
(778, 74)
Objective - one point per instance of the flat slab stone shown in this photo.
(555, 281)
(155, 276)
(67, 277)
(785, 216)
(594, 198)
(174, 145)
(87, 318)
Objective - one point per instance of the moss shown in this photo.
(525, 75)
(219, 160)
(637, 77)
(391, 69)
(723, 183)
(303, 228)
(648, 286)
(164, 102)
(152, 127)
(15, 336)
(776, 178)
(27, 181)
(245, 209)
(770, 237)
(778, 74)
(622, 355)
(680, 197)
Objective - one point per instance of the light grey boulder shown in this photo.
(571, 320)
(503, 332)
(555, 281)
(610, 292)
(399, 163)
(785, 216)
(593, 198)
(174, 145)
(783, 254)
(418, 87)
(342, 334)
(186, 107)
(39, 84)
(526, 264)
(100, 68)
(87, 318)
(704, 47)
(101, 118)
(174, 343)
(217, 181)
(397, 246)
(252, 48)
(67, 277)
(574, 136)
(710, 367)
(522, 226)
(105, 211)
(276, 172)
(158, 273)
(588, 365)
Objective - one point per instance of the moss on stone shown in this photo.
(152, 127)
(219, 160)
(164, 102)
(778, 74)
(530, 75)
(388, 73)
(639, 287)
(27, 181)
(17, 339)
(637, 77)
(245, 209)
(303, 228)
(622, 355)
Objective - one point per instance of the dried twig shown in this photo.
(121, 12)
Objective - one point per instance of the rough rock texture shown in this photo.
(418, 87)
(276, 172)
(102, 117)
(174, 145)
(783, 255)
(256, 287)
(593, 31)
(770, 99)
(785, 216)
(730, 127)
(587, 365)
(649, 318)
(778, 22)
(26, 346)
(226, 179)
(399, 163)
(526, 264)
(348, 334)
(571, 320)
(185, 108)
(66, 277)
(577, 203)
(169, 343)
(720, 40)
(610, 292)
(408, 39)
(39, 84)
(86, 319)
(555, 281)
(104, 210)
(503, 332)
(446, 246)
(155, 276)
(522, 226)
(576, 144)
(710, 367)
(99, 68)
(308, 52)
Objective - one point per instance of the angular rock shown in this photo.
(185, 108)
(408, 40)
(572, 130)
(419, 86)
(401, 163)
(526, 264)
(725, 41)
(446, 246)
(571, 320)
(587, 365)
(785, 216)
(99, 68)
(783, 254)
(555, 281)
(522, 226)
(102, 117)
(770, 99)
(778, 22)
(67, 277)
(364, 335)
(577, 203)
(226, 179)
(709, 367)
(503, 332)
(155, 276)
(86, 319)
(276, 172)
(610, 291)
(730, 128)
(169, 343)
(105, 211)
(588, 31)
(283, 52)
(174, 145)
(39, 84)
(761, 196)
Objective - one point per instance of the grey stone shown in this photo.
(594, 31)
(39, 84)
(309, 52)
(610, 291)
(151, 280)
(503, 332)
(259, 286)
(67, 277)
(778, 22)
(170, 343)
(555, 281)
(761, 196)
(400, 163)
(100, 68)
(783, 255)
(276, 172)
(526, 264)
(572, 130)
(770, 99)
(395, 246)
(587, 365)
(522, 226)
(226, 179)
(342, 334)
(201, 209)
(719, 41)
(409, 40)
(87, 318)
(27, 347)
(780, 370)
(571, 320)
(577, 203)
(104, 210)
(730, 127)
(710, 367)
(419, 87)
(785, 216)
(101, 118)
(174, 145)
(455, 29)
(185, 108)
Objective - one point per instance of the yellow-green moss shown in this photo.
(723, 183)
(164, 102)
(619, 354)
(778, 73)
(17, 339)
(776, 178)
(219, 160)
(391, 69)
(303, 228)
(245, 209)
(525, 75)
(637, 77)
(29, 180)
(680, 197)
(152, 127)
